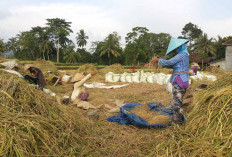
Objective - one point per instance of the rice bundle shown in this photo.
(151, 117)
(31, 123)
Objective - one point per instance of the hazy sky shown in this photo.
(100, 17)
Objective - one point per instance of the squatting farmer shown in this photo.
(79, 93)
(38, 77)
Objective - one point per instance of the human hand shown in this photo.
(154, 60)
(93, 73)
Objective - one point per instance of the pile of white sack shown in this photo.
(201, 76)
(151, 77)
(138, 77)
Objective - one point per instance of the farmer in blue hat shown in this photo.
(180, 65)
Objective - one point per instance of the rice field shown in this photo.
(33, 123)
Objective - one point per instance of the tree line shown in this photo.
(52, 43)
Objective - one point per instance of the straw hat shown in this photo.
(195, 64)
(26, 67)
(77, 77)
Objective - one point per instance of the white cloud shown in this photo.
(218, 27)
(92, 19)
(122, 15)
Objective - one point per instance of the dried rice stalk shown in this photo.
(151, 117)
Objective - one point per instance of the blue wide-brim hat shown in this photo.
(175, 43)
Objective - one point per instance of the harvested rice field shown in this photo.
(32, 122)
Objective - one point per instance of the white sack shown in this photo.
(13, 72)
(109, 77)
(10, 64)
(135, 77)
(48, 91)
(116, 77)
(143, 77)
(123, 77)
(155, 78)
(53, 94)
(128, 78)
(66, 78)
(167, 79)
(161, 79)
(150, 78)
(211, 77)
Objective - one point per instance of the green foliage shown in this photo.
(204, 46)
(2, 46)
(136, 32)
(142, 45)
(52, 43)
(191, 32)
(85, 57)
(108, 49)
(70, 56)
(220, 49)
(81, 38)
(59, 31)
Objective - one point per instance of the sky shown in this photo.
(99, 18)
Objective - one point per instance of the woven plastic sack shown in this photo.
(161, 79)
(109, 77)
(123, 77)
(150, 78)
(10, 64)
(116, 77)
(143, 77)
(135, 77)
(128, 78)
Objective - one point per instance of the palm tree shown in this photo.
(81, 38)
(70, 55)
(59, 31)
(204, 47)
(46, 46)
(111, 46)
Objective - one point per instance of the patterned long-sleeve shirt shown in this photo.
(179, 63)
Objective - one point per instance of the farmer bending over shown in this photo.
(180, 65)
(79, 93)
(38, 77)
(194, 68)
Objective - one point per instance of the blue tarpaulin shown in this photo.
(127, 118)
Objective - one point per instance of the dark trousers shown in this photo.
(32, 80)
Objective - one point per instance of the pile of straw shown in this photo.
(208, 129)
(32, 123)
(214, 69)
(151, 117)
(115, 68)
(86, 68)
(45, 66)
